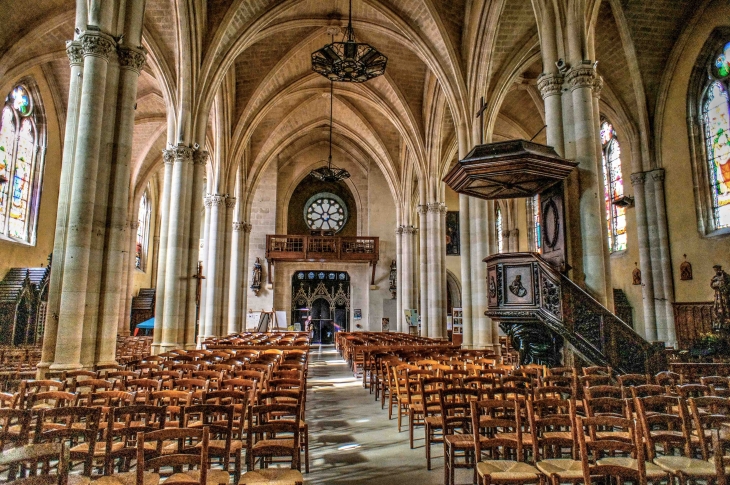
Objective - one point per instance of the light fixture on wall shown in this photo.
(330, 173)
(349, 61)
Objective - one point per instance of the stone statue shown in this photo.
(256, 277)
(636, 275)
(393, 279)
(721, 308)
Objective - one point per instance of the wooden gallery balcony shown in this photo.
(322, 249)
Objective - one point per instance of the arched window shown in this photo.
(20, 166)
(614, 188)
(143, 231)
(534, 232)
(500, 238)
(716, 120)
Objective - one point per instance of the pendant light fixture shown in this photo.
(330, 173)
(349, 61)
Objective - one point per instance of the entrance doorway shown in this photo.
(321, 303)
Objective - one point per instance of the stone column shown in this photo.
(226, 265)
(173, 312)
(408, 260)
(400, 276)
(551, 88)
(75, 53)
(436, 305)
(203, 304)
(236, 304)
(466, 281)
(168, 159)
(581, 79)
(213, 297)
(97, 46)
(480, 250)
(666, 331)
(131, 61)
(638, 181)
(423, 278)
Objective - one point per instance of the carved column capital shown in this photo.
(399, 230)
(75, 52)
(657, 175)
(230, 202)
(410, 230)
(422, 208)
(180, 153)
(217, 200)
(581, 76)
(597, 86)
(550, 84)
(132, 58)
(242, 226)
(638, 178)
(200, 157)
(134, 225)
(97, 44)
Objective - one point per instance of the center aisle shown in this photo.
(351, 439)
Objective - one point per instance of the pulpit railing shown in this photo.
(524, 289)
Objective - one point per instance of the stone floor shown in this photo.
(351, 439)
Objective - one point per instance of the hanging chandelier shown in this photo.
(349, 61)
(330, 173)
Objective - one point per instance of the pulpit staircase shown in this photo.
(524, 289)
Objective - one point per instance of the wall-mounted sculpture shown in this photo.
(636, 275)
(393, 279)
(256, 277)
(721, 307)
(685, 270)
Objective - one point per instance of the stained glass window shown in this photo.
(143, 229)
(613, 188)
(325, 212)
(716, 111)
(18, 166)
(500, 239)
(534, 207)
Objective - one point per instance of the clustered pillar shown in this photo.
(92, 226)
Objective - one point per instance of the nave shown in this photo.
(351, 439)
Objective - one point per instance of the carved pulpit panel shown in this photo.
(552, 215)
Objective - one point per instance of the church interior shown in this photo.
(385, 199)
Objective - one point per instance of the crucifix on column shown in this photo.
(480, 115)
(198, 289)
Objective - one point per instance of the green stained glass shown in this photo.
(723, 62)
(21, 100)
(613, 185)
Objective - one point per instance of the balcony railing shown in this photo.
(322, 248)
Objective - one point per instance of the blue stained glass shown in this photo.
(300, 276)
(310, 275)
(321, 276)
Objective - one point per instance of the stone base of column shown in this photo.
(165, 347)
(108, 362)
(65, 367)
(155, 349)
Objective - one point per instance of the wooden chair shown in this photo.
(269, 438)
(646, 390)
(176, 448)
(668, 378)
(628, 380)
(173, 401)
(8, 400)
(430, 388)
(555, 445)
(708, 414)
(414, 399)
(500, 435)
(718, 382)
(721, 458)
(51, 400)
(77, 425)
(597, 370)
(14, 428)
(219, 419)
(31, 464)
(457, 431)
(121, 441)
(693, 390)
(607, 457)
(292, 396)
